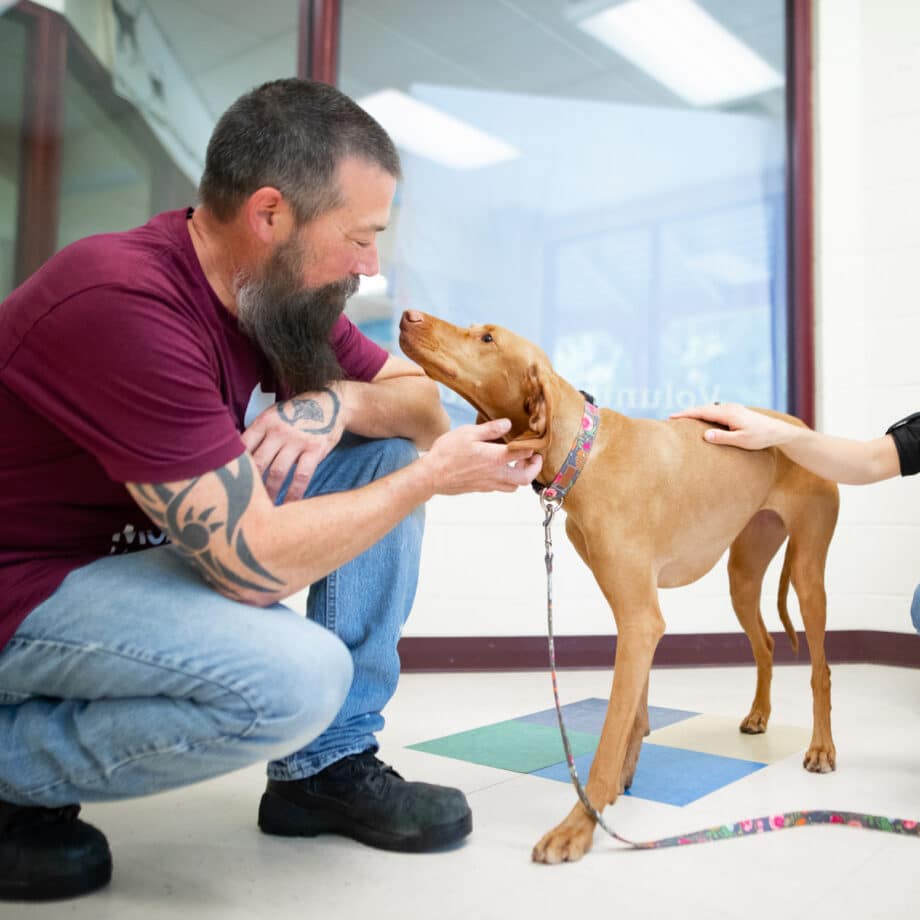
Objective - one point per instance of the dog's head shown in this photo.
(499, 373)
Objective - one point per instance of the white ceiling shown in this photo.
(524, 46)
(530, 46)
(228, 46)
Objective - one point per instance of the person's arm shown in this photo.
(300, 432)
(401, 401)
(251, 550)
(839, 459)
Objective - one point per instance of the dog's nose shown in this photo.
(413, 316)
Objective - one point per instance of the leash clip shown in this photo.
(550, 501)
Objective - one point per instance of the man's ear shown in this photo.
(268, 215)
(538, 409)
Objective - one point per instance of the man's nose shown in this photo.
(369, 263)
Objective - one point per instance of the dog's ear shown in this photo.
(538, 409)
(535, 401)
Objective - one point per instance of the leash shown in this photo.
(551, 500)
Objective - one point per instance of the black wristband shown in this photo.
(906, 434)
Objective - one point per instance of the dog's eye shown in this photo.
(488, 337)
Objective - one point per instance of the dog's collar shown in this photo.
(575, 462)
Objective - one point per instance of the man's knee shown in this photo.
(394, 454)
(357, 461)
(299, 681)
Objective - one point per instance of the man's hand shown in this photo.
(464, 460)
(299, 432)
(748, 429)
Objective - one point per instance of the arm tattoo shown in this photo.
(198, 533)
(307, 415)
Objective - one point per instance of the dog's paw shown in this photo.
(628, 774)
(820, 759)
(755, 723)
(567, 842)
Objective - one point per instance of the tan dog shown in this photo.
(656, 506)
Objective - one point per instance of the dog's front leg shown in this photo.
(640, 729)
(636, 643)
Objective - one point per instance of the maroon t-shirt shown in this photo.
(117, 364)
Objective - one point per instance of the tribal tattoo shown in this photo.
(306, 414)
(201, 533)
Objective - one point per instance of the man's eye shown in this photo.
(488, 337)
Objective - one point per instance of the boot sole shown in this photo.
(55, 889)
(280, 817)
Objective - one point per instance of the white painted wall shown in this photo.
(482, 566)
(867, 133)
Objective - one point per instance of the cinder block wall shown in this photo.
(867, 134)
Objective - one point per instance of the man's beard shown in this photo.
(291, 323)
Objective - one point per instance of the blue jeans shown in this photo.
(135, 677)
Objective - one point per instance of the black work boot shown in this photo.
(46, 853)
(363, 798)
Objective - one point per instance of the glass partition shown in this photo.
(143, 85)
(578, 172)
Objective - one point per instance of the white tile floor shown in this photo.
(197, 853)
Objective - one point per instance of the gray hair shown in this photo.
(291, 135)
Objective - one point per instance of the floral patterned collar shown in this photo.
(578, 456)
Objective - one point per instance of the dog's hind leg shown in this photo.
(808, 552)
(748, 559)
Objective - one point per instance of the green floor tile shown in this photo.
(519, 746)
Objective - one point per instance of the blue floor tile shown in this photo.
(671, 775)
(588, 716)
(583, 716)
(660, 716)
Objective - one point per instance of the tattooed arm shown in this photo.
(204, 518)
(248, 549)
(400, 402)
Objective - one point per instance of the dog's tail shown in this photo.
(781, 602)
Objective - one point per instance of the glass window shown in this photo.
(136, 132)
(105, 168)
(143, 87)
(607, 179)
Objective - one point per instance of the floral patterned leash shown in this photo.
(762, 825)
